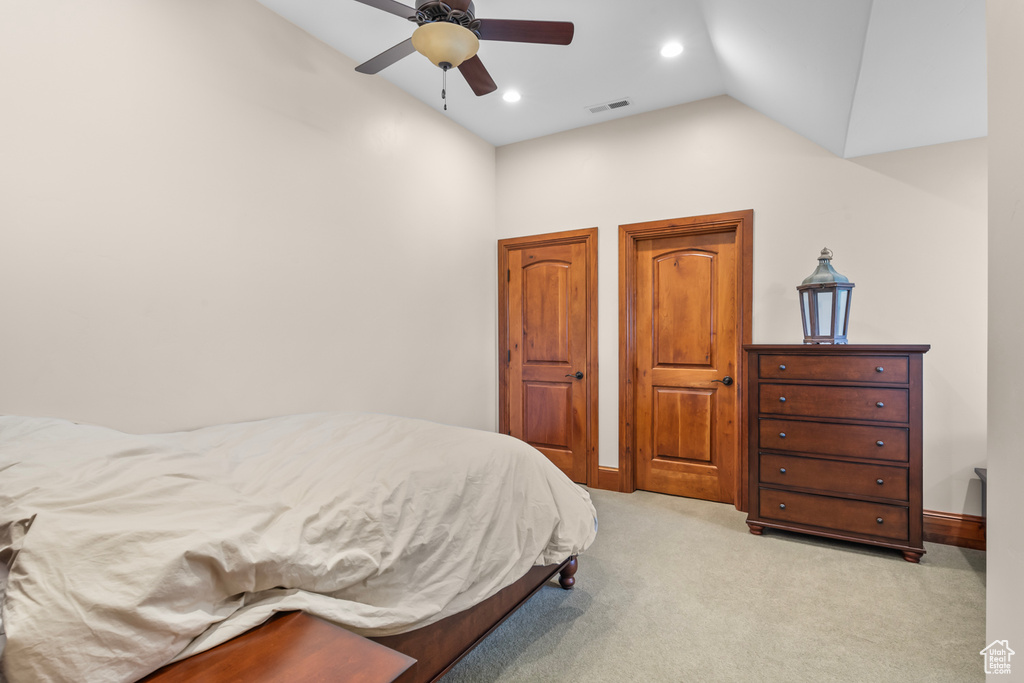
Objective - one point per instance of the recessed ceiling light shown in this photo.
(511, 96)
(672, 50)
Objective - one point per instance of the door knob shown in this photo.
(578, 375)
(727, 380)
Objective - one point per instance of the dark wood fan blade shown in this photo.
(477, 77)
(395, 8)
(519, 31)
(387, 58)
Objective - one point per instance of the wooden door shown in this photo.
(548, 392)
(688, 303)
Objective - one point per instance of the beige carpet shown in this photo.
(676, 589)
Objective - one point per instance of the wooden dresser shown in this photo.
(834, 442)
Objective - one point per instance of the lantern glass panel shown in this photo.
(844, 295)
(824, 313)
(807, 312)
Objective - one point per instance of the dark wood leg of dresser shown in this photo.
(755, 529)
(911, 556)
(567, 577)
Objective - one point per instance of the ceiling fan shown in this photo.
(449, 35)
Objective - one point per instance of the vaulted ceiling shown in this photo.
(855, 76)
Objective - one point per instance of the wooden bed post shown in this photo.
(567, 574)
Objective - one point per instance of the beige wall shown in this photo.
(207, 215)
(1006, 329)
(909, 228)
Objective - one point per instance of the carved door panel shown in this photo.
(686, 339)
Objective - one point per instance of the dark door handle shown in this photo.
(727, 380)
(578, 375)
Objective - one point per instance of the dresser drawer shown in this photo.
(853, 516)
(855, 403)
(834, 476)
(880, 369)
(825, 438)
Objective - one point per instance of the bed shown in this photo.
(122, 553)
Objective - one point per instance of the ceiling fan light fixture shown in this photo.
(443, 42)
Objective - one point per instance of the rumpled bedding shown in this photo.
(126, 552)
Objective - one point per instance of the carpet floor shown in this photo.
(676, 589)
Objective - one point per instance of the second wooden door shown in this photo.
(686, 348)
(688, 312)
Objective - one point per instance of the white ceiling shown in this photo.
(855, 76)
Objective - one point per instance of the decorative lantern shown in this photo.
(825, 303)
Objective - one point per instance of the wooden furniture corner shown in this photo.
(292, 646)
(297, 648)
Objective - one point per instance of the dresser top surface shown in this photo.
(837, 348)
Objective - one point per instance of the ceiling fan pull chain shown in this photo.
(444, 86)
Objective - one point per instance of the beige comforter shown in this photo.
(143, 549)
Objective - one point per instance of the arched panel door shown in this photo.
(548, 379)
(686, 339)
(685, 292)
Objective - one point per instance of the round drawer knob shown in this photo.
(879, 405)
(879, 481)
(879, 520)
(782, 367)
(782, 399)
(782, 435)
(879, 443)
(782, 470)
(782, 506)
(879, 369)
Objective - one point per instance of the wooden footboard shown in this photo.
(297, 648)
(436, 648)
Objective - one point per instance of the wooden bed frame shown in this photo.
(296, 648)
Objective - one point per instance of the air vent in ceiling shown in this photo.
(617, 104)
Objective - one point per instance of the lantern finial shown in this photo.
(824, 273)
